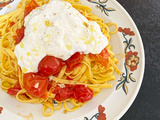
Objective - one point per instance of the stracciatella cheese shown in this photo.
(59, 30)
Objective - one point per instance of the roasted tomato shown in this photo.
(82, 93)
(63, 93)
(29, 7)
(74, 60)
(12, 23)
(50, 65)
(14, 90)
(20, 35)
(102, 58)
(78, 92)
(36, 84)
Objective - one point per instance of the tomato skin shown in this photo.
(102, 58)
(29, 7)
(63, 93)
(82, 93)
(50, 65)
(14, 90)
(49, 85)
(20, 35)
(78, 92)
(33, 79)
(74, 60)
(11, 24)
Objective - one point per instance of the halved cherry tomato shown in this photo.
(50, 65)
(20, 35)
(78, 92)
(29, 7)
(14, 90)
(49, 84)
(74, 60)
(102, 58)
(82, 93)
(63, 93)
(36, 84)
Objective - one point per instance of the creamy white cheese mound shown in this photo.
(59, 30)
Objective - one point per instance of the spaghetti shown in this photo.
(91, 73)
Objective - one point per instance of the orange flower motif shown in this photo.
(4, 3)
(132, 60)
(1, 108)
(101, 116)
(127, 31)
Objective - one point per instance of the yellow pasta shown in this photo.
(91, 73)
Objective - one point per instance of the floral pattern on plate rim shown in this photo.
(131, 57)
(131, 60)
(3, 4)
(1, 108)
(100, 115)
(101, 4)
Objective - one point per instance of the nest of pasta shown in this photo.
(75, 83)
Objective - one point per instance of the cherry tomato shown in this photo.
(68, 78)
(82, 93)
(49, 85)
(50, 65)
(74, 60)
(36, 84)
(102, 58)
(29, 7)
(63, 93)
(20, 35)
(11, 24)
(14, 90)
(78, 92)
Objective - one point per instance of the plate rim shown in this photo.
(141, 77)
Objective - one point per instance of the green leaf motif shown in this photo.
(101, 4)
(106, 12)
(125, 88)
(110, 9)
(119, 85)
(131, 78)
(127, 75)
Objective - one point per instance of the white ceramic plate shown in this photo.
(127, 44)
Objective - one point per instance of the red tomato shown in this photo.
(50, 65)
(12, 23)
(14, 90)
(20, 35)
(82, 93)
(63, 93)
(78, 92)
(29, 7)
(68, 78)
(49, 84)
(102, 58)
(36, 84)
(74, 60)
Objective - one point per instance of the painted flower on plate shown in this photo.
(1, 108)
(127, 31)
(102, 115)
(132, 60)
